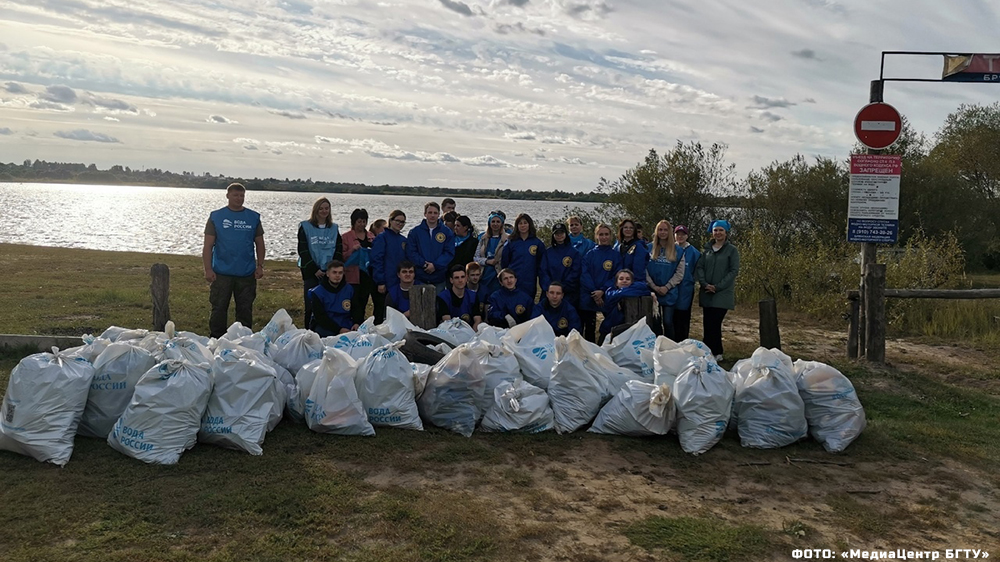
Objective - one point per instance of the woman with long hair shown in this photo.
(357, 244)
(633, 249)
(664, 273)
(523, 254)
(489, 249)
(388, 251)
(319, 243)
(466, 242)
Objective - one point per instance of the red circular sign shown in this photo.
(878, 125)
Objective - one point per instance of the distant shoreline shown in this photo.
(40, 171)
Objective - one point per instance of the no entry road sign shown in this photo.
(878, 125)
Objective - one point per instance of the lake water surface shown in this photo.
(171, 220)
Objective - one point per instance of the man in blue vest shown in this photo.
(233, 256)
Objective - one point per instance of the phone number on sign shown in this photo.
(898, 554)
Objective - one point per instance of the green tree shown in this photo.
(679, 186)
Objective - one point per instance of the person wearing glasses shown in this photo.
(388, 251)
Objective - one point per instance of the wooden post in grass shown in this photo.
(423, 306)
(770, 337)
(874, 283)
(639, 307)
(159, 287)
(852, 330)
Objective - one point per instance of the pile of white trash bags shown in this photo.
(153, 395)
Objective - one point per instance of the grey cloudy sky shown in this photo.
(541, 94)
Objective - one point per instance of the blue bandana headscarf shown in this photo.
(723, 223)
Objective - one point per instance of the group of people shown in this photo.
(491, 277)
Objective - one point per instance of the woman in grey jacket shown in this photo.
(716, 273)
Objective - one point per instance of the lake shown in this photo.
(171, 220)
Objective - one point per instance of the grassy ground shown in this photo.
(923, 475)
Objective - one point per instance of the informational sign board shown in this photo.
(971, 68)
(873, 204)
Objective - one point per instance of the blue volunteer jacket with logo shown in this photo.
(524, 256)
(437, 247)
(598, 272)
(388, 249)
(562, 263)
(563, 319)
(465, 308)
(505, 301)
(331, 306)
(613, 298)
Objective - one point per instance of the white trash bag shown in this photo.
(92, 347)
(420, 374)
(45, 399)
(575, 391)
(385, 385)
(236, 331)
(638, 410)
(518, 408)
(116, 371)
(295, 348)
(280, 323)
(394, 327)
(703, 394)
(333, 405)
(499, 366)
(833, 410)
(182, 348)
(164, 416)
(490, 334)
(117, 333)
(245, 396)
(343, 342)
(455, 331)
(364, 344)
(611, 376)
(625, 349)
(453, 396)
(533, 343)
(768, 409)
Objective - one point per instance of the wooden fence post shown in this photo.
(423, 306)
(875, 312)
(852, 330)
(770, 337)
(159, 287)
(640, 307)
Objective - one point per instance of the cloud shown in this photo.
(85, 135)
(3, 47)
(460, 7)
(519, 27)
(51, 106)
(807, 54)
(760, 102)
(109, 118)
(809, 100)
(487, 160)
(756, 130)
(520, 136)
(385, 123)
(594, 10)
(6, 131)
(15, 88)
(518, 3)
(768, 116)
(114, 105)
(288, 114)
(220, 119)
(830, 5)
(61, 94)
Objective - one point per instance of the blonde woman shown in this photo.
(664, 274)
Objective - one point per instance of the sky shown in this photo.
(518, 94)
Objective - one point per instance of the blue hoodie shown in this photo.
(509, 301)
(613, 298)
(524, 256)
(562, 263)
(598, 272)
(635, 255)
(388, 249)
(581, 244)
(685, 292)
(438, 249)
(563, 319)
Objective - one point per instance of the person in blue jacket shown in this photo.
(388, 251)
(523, 253)
(233, 258)
(634, 251)
(561, 263)
(431, 247)
(508, 306)
(625, 286)
(331, 302)
(597, 273)
(685, 291)
(490, 248)
(581, 243)
(664, 273)
(458, 302)
(318, 243)
(557, 311)
(398, 296)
